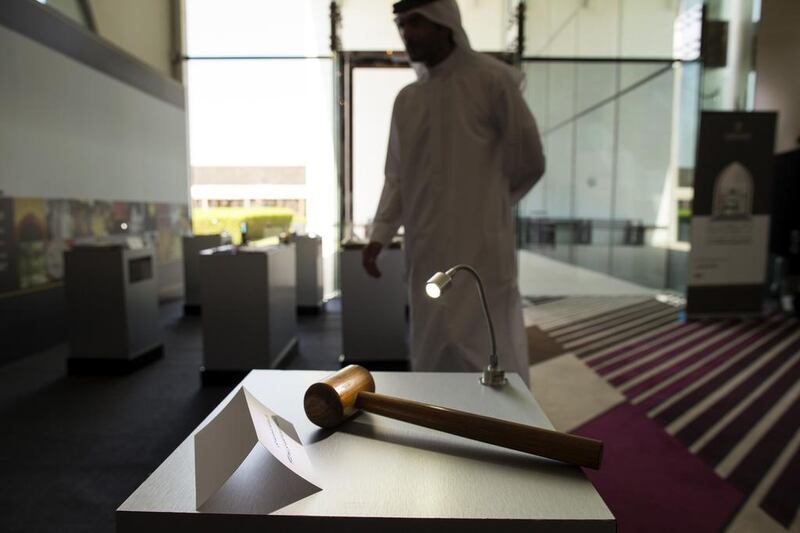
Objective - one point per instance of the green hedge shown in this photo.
(261, 221)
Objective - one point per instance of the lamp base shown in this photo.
(493, 377)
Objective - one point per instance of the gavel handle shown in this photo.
(543, 442)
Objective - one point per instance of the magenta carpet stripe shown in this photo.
(783, 499)
(672, 389)
(684, 404)
(653, 484)
(654, 319)
(612, 341)
(681, 348)
(667, 336)
(695, 429)
(717, 448)
(676, 349)
(674, 369)
(616, 315)
(757, 463)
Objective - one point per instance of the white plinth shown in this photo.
(379, 474)
(373, 310)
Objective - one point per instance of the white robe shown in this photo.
(463, 148)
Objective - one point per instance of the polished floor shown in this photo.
(74, 448)
(541, 276)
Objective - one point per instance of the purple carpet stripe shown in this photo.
(678, 350)
(752, 469)
(684, 344)
(653, 484)
(672, 389)
(695, 429)
(680, 365)
(783, 499)
(666, 336)
(723, 442)
(684, 404)
(634, 334)
(604, 318)
(577, 347)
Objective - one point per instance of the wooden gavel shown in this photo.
(333, 400)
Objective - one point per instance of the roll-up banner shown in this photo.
(731, 214)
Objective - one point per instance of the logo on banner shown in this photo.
(732, 207)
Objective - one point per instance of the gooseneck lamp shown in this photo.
(492, 375)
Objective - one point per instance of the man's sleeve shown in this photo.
(388, 216)
(523, 157)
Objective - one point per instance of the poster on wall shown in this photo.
(8, 256)
(730, 214)
(35, 233)
(30, 233)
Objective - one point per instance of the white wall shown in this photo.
(143, 28)
(69, 131)
(778, 68)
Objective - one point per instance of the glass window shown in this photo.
(369, 24)
(374, 91)
(600, 28)
(261, 133)
(257, 28)
(606, 200)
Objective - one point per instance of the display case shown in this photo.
(310, 297)
(374, 311)
(112, 308)
(192, 246)
(249, 309)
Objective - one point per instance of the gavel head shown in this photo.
(331, 401)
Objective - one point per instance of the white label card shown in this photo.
(226, 441)
(279, 437)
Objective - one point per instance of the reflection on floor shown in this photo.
(540, 276)
(698, 416)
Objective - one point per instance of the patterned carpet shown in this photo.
(726, 392)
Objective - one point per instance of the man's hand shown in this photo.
(369, 257)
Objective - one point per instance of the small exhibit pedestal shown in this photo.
(375, 473)
(310, 297)
(374, 321)
(249, 310)
(112, 309)
(192, 246)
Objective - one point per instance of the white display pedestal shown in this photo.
(310, 297)
(374, 321)
(192, 246)
(112, 309)
(249, 310)
(378, 474)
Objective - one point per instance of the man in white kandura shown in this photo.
(463, 149)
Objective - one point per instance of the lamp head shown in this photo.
(437, 284)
